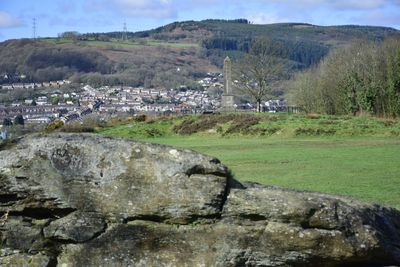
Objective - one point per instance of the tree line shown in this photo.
(361, 78)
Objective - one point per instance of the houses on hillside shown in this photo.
(116, 100)
(13, 86)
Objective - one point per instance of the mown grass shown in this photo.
(351, 156)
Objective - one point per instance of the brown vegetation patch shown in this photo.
(240, 123)
(207, 122)
(313, 116)
(243, 124)
(314, 131)
(389, 122)
(265, 131)
(77, 128)
(329, 122)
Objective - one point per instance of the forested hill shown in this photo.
(242, 29)
(152, 58)
(303, 43)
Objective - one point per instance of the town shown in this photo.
(112, 101)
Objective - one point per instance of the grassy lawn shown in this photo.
(365, 166)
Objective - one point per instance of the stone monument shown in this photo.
(228, 99)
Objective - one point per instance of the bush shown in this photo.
(140, 118)
(152, 132)
(265, 131)
(313, 116)
(52, 126)
(205, 122)
(75, 127)
(243, 125)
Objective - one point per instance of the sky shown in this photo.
(57, 16)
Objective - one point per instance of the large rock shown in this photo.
(85, 200)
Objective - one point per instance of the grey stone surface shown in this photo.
(227, 103)
(85, 200)
(76, 227)
(23, 259)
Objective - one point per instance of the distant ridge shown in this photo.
(151, 58)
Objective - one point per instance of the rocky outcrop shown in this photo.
(85, 200)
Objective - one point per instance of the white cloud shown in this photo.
(8, 21)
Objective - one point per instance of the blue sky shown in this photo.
(57, 16)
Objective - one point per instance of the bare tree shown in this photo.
(256, 73)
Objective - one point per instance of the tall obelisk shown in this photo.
(228, 99)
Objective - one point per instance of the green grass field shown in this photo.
(365, 166)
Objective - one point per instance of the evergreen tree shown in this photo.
(7, 122)
(19, 120)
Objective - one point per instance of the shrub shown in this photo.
(265, 131)
(152, 132)
(52, 126)
(388, 122)
(313, 116)
(243, 125)
(314, 131)
(140, 118)
(76, 127)
(205, 122)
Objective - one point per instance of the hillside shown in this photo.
(168, 56)
(149, 64)
(304, 43)
(329, 35)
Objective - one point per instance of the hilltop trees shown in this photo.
(259, 70)
(362, 78)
